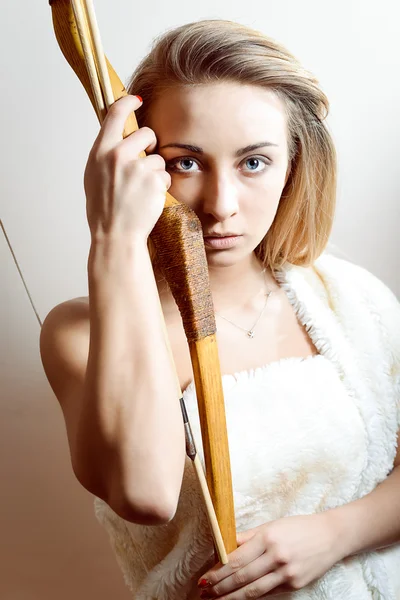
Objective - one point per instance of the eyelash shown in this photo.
(171, 164)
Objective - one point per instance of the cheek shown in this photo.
(263, 200)
(261, 213)
(186, 190)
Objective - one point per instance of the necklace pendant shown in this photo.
(250, 333)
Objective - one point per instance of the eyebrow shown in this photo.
(198, 150)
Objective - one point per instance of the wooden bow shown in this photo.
(179, 244)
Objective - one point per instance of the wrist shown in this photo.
(115, 241)
(113, 253)
(341, 532)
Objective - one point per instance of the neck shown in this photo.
(235, 285)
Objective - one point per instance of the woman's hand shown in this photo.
(277, 557)
(125, 193)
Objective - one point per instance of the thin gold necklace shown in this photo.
(250, 332)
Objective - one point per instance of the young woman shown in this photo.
(309, 344)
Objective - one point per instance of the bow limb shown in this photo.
(178, 239)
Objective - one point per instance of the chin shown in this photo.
(225, 258)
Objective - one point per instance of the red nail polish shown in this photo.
(140, 98)
(203, 583)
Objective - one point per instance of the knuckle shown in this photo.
(115, 112)
(160, 160)
(121, 105)
(289, 572)
(147, 129)
(113, 158)
(293, 577)
(239, 578)
(95, 155)
(281, 556)
(148, 132)
(236, 563)
(166, 179)
(138, 166)
(155, 161)
(296, 583)
(120, 109)
(217, 590)
(113, 154)
(279, 552)
(266, 539)
(154, 183)
(153, 180)
(253, 591)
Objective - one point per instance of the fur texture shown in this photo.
(305, 435)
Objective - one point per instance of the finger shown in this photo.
(238, 559)
(244, 536)
(166, 177)
(112, 129)
(279, 590)
(153, 162)
(157, 164)
(257, 589)
(144, 139)
(252, 572)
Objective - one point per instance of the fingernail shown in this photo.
(203, 583)
(140, 98)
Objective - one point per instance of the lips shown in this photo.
(221, 242)
(220, 235)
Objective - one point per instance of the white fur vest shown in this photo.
(323, 433)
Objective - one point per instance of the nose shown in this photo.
(220, 197)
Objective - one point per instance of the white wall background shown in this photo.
(51, 545)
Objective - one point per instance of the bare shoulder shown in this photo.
(65, 328)
(64, 349)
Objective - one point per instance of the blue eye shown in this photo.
(256, 161)
(172, 165)
(187, 162)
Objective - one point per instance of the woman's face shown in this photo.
(226, 148)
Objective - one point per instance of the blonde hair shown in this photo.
(211, 51)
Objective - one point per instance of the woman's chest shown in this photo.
(279, 335)
(297, 440)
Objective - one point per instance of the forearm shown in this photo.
(131, 402)
(371, 522)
